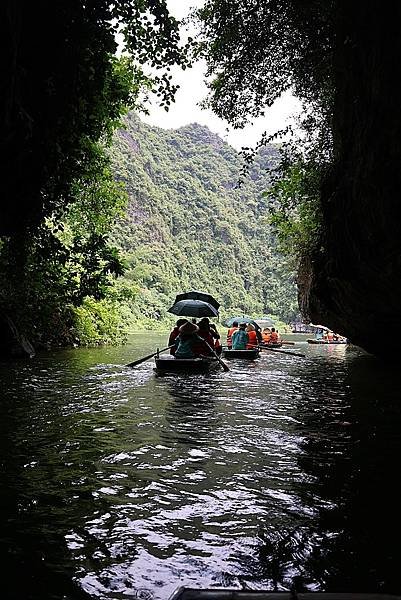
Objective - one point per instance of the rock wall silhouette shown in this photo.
(352, 283)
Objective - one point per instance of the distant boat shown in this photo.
(301, 328)
(321, 336)
(326, 342)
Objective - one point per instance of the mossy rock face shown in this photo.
(13, 343)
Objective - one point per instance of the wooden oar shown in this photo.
(283, 351)
(141, 360)
(223, 364)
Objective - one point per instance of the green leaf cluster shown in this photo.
(255, 51)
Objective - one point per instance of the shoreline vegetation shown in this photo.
(173, 219)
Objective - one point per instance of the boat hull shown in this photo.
(186, 593)
(243, 354)
(327, 342)
(170, 364)
(267, 346)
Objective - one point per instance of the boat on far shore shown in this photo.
(324, 335)
(326, 342)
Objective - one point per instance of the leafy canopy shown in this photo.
(255, 51)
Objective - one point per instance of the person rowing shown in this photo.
(206, 334)
(217, 339)
(191, 345)
(188, 342)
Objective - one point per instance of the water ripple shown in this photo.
(254, 478)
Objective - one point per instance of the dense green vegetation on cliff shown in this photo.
(166, 216)
(188, 226)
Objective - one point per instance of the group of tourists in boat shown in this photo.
(245, 336)
(189, 339)
(323, 335)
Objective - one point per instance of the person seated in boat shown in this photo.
(230, 332)
(274, 336)
(174, 334)
(319, 334)
(330, 336)
(266, 334)
(216, 337)
(218, 348)
(205, 332)
(188, 342)
(252, 337)
(240, 338)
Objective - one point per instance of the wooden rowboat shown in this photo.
(247, 354)
(166, 363)
(186, 593)
(327, 342)
(270, 345)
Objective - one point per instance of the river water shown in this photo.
(117, 483)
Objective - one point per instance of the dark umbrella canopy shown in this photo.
(244, 319)
(195, 295)
(193, 308)
(266, 322)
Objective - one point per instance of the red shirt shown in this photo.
(201, 348)
(173, 335)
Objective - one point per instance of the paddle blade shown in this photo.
(285, 352)
(140, 360)
(225, 367)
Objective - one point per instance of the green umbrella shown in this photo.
(243, 319)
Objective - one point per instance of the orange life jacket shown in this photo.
(252, 340)
(274, 337)
(266, 336)
(230, 335)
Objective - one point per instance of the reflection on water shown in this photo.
(283, 471)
